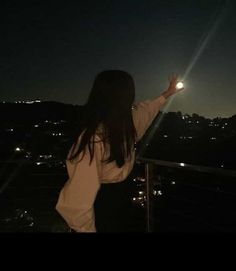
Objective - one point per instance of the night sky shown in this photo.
(54, 51)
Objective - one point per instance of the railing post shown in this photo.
(149, 193)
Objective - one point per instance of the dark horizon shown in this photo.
(20, 102)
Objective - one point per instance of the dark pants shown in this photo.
(113, 208)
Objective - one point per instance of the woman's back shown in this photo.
(105, 154)
(143, 114)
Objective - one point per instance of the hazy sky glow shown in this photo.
(54, 52)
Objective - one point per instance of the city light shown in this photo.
(57, 134)
(18, 149)
(9, 129)
(182, 164)
(139, 179)
(157, 192)
(45, 156)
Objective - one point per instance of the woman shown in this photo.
(95, 197)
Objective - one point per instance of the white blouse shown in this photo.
(76, 200)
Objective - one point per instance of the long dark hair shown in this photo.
(110, 105)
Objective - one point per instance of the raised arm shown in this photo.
(145, 112)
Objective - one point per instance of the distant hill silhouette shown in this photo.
(39, 111)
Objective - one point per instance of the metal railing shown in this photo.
(150, 177)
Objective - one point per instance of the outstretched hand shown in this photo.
(172, 88)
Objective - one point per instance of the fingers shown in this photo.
(173, 77)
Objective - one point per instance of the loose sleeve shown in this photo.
(76, 199)
(144, 114)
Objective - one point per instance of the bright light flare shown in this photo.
(179, 85)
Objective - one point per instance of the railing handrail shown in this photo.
(198, 168)
(165, 163)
